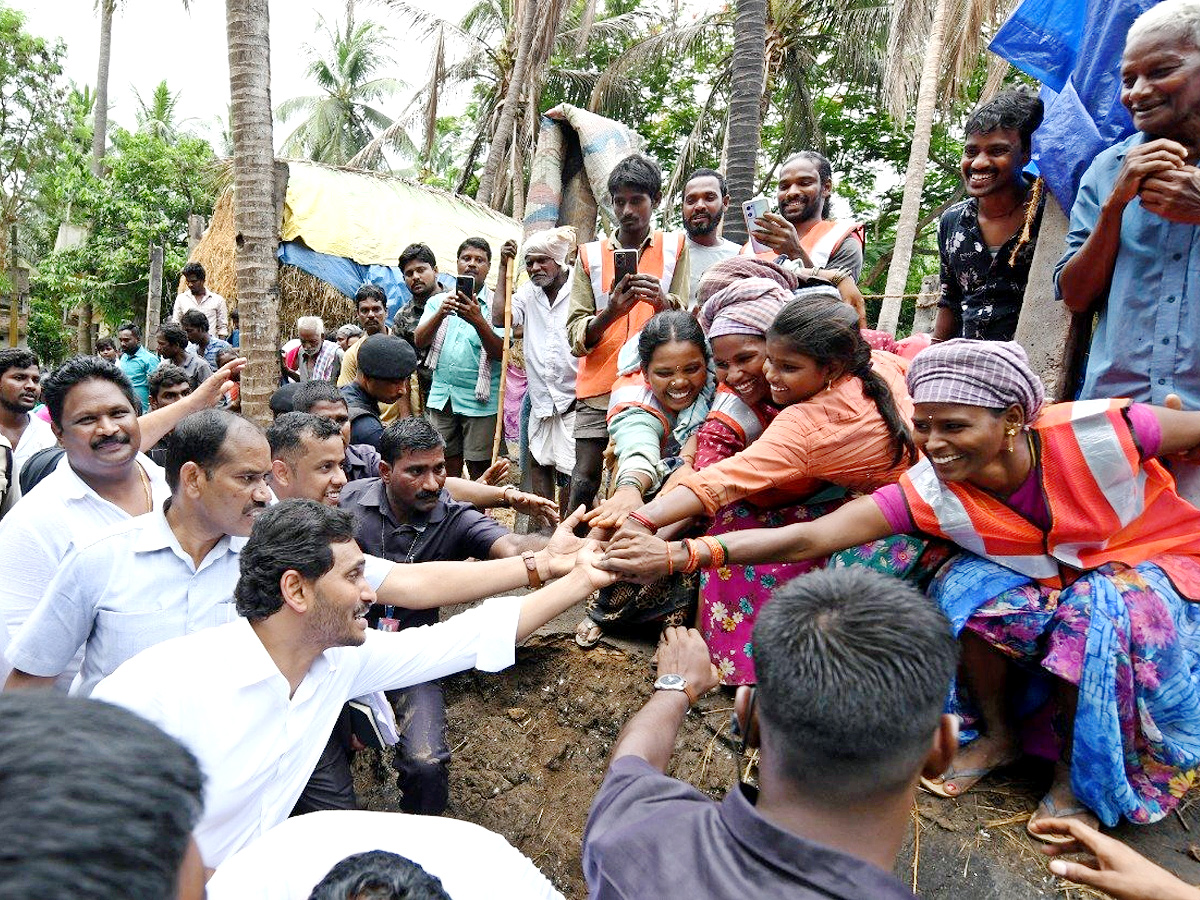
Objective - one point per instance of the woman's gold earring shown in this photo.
(1011, 431)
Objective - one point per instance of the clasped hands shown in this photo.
(630, 549)
(1159, 174)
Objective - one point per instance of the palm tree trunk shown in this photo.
(99, 142)
(743, 132)
(914, 177)
(255, 223)
(508, 110)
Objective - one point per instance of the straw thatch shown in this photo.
(301, 294)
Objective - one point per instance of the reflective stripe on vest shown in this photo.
(819, 242)
(598, 369)
(731, 410)
(632, 391)
(1105, 504)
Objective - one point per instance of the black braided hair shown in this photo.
(828, 332)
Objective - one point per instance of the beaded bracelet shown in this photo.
(643, 521)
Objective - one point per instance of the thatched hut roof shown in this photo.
(393, 200)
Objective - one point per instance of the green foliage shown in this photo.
(150, 188)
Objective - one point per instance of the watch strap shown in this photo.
(531, 569)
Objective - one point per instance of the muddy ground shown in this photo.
(531, 744)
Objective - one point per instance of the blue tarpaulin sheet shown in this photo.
(348, 276)
(1073, 47)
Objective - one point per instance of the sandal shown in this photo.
(1048, 809)
(588, 633)
(962, 779)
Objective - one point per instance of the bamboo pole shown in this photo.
(506, 290)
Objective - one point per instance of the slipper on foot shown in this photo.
(1048, 809)
(588, 634)
(962, 779)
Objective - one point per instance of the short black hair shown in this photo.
(193, 270)
(316, 391)
(370, 292)
(292, 534)
(118, 830)
(16, 358)
(200, 439)
(412, 435)
(853, 668)
(1017, 109)
(130, 327)
(419, 252)
(195, 318)
(378, 875)
(478, 243)
(77, 370)
(235, 315)
(105, 343)
(670, 325)
(708, 173)
(165, 376)
(174, 334)
(287, 433)
(639, 172)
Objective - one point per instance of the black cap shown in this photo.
(386, 356)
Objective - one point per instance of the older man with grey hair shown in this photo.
(316, 358)
(1134, 245)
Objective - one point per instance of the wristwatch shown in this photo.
(673, 682)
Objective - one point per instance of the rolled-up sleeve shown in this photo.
(637, 441)
(779, 457)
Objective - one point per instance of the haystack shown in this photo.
(366, 217)
(301, 294)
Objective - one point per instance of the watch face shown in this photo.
(670, 682)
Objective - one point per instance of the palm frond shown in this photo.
(673, 42)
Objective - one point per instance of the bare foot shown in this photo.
(972, 763)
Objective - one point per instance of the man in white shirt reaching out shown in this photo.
(255, 699)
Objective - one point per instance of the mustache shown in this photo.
(428, 495)
(252, 506)
(117, 439)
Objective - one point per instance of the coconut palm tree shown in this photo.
(342, 119)
(747, 83)
(157, 116)
(949, 39)
(255, 219)
(482, 52)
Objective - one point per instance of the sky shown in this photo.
(154, 40)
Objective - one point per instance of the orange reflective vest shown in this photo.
(598, 370)
(731, 410)
(819, 242)
(1105, 504)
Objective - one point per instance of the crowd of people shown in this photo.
(903, 563)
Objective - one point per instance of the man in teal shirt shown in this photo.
(136, 361)
(464, 352)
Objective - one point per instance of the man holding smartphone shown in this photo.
(608, 306)
(463, 351)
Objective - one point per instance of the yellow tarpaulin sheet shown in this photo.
(371, 219)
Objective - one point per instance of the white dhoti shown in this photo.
(552, 440)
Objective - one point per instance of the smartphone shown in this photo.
(751, 211)
(465, 285)
(625, 262)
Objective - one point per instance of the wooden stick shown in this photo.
(506, 290)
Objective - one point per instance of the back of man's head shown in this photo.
(94, 801)
(415, 434)
(853, 672)
(292, 534)
(378, 875)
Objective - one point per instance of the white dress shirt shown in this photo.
(219, 692)
(288, 861)
(37, 533)
(127, 589)
(212, 305)
(549, 365)
(36, 436)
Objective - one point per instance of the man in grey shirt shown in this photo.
(837, 653)
(173, 347)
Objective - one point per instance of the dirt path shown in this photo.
(531, 745)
